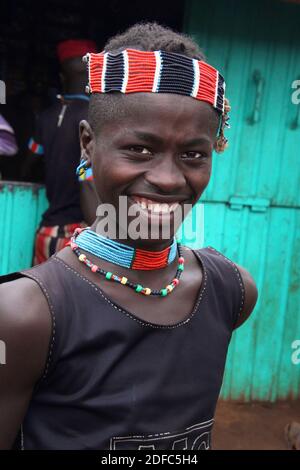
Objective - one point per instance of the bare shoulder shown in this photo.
(25, 324)
(251, 294)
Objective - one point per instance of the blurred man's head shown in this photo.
(73, 70)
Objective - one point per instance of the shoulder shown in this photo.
(245, 283)
(251, 294)
(25, 325)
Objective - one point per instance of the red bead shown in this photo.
(180, 260)
(175, 281)
(94, 268)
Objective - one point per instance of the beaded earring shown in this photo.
(82, 167)
(222, 142)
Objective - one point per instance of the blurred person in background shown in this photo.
(56, 138)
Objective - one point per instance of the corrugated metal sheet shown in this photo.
(259, 364)
(258, 51)
(21, 206)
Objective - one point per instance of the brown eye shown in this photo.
(140, 149)
(193, 155)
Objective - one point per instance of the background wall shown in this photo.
(252, 203)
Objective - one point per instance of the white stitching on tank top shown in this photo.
(141, 322)
(240, 281)
(210, 422)
(40, 283)
(204, 424)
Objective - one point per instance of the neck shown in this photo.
(150, 244)
(77, 87)
(137, 262)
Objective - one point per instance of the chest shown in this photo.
(168, 310)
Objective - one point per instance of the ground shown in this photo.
(251, 426)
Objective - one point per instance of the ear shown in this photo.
(87, 141)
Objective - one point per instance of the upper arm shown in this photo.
(25, 331)
(35, 150)
(251, 295)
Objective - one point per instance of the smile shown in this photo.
(155, 207)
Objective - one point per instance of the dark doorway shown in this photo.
(29, 33)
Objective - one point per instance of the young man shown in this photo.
(57, 140)
(137, 363)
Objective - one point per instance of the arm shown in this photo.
(25, 330)
(34, 152)
(251, 295)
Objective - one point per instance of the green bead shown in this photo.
(163, 292)
(108, 275)
(181, 267)
(139, 288)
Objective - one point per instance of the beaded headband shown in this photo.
(132, 71)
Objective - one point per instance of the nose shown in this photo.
(166, 176)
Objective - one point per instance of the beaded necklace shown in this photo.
(138, 288)
(124, 255)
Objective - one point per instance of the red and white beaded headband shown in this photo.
(132, 71)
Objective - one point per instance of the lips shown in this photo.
(154, 206)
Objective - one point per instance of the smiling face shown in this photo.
(156, 150)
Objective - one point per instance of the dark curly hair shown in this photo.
(153, 37)
(144, 37)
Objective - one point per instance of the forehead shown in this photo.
(163, 113)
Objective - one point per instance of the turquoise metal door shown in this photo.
(21, 207)
(252, 204)
(258, 51)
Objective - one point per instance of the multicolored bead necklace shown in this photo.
(76, 242)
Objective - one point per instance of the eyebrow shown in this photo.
(149, 137)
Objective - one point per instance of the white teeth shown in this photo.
(164, 208)
(155, 206)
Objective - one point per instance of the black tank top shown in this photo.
(114, 381)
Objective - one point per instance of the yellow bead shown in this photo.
(169, 288)
(147, 291)
(124, 280)
(82, 258)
